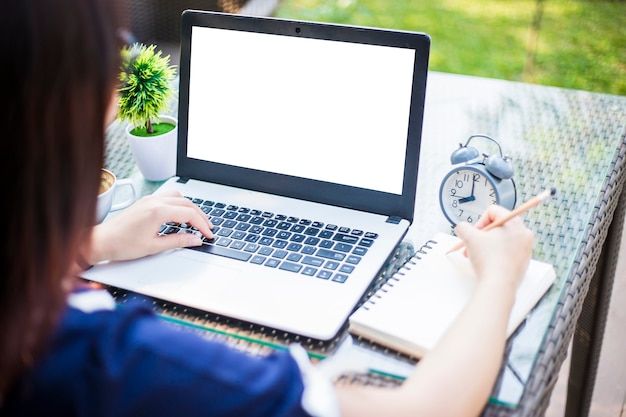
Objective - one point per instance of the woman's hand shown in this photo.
(132, 233)
(502, 253)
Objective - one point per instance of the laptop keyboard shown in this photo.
(301, 246)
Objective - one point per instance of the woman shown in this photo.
(66, 351)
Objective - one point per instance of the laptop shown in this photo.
(312, 129)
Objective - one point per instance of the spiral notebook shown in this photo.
(416, 306)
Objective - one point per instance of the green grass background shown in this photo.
(563, 43)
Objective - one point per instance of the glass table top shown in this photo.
(555, 137)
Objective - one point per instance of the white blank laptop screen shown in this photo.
(323, 110)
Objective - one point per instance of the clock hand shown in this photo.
(466, 199)
(471, 196)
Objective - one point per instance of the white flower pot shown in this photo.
(155, 155)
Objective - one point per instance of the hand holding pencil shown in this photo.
(541, 197)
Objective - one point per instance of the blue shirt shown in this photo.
(128, 362)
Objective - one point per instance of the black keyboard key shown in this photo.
(353, 259)
(371, 235)
(340, 278)
(257, 220)
(242, 226)
(269, 232)
(251, 247)
(346, 269)
(283, 235)
(280, 254)
(293, 219)
(252, 238)
(290, 266)
(311, 231)
(267, 214)
(283, 226)
(217, 212)
(270, 223)
(308, 270)
(237, 244)
(224, 241)
(272, 262)
(280, 217)
(357, 232)
(312, 241)
(340, 237)
(329, 254)
(344, 230)
(258, 259)
(308, 250)
(294, 247)
(243, 217)
(220, 205)
(331, 227)
(230, 215)
(366, 242)
(280, 244)
(294, 257)
(222, 251)
(256, 230)
(297, 228)
(332, 265)
(297, 238)
(325, 234)
(170, 230)
(305, 222)
(324, 274)
(224, 232)
(359, 250)
(310, 260)
(229, 223)
(326, 244)
(318, 225)
(266, 251)
(343, 247)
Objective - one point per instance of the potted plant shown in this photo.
(144, 95)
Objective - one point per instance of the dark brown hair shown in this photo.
(60, 61)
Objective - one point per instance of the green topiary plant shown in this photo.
(146, 78)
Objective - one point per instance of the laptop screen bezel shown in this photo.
(393, 205)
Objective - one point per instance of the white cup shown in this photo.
(108, 186)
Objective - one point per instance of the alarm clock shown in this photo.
(475, 182)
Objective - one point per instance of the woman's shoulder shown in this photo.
(101, 352)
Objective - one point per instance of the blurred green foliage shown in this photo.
(564, 43)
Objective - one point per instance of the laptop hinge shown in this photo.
(183, 180)
(393, 219)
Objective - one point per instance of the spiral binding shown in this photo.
(384, 288)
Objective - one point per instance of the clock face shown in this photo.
(465, 194)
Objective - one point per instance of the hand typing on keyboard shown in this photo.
(301, 246)
(132, 233)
